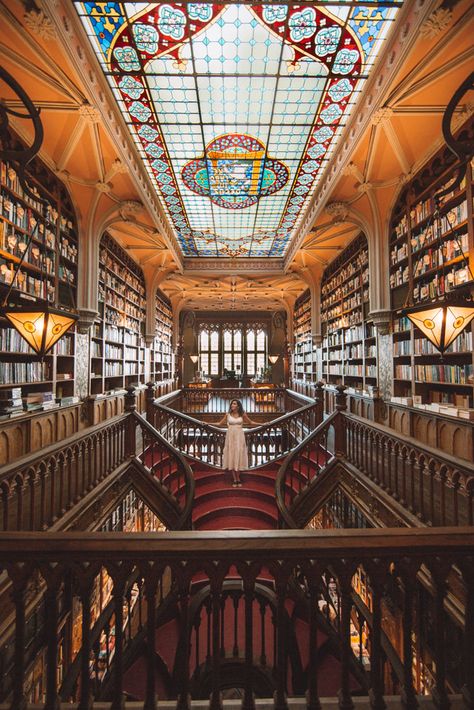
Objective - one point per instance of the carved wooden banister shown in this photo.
(277, 559)
(37, 490)
(434, 486)
(169, 467)
(303, 465)
(205, 442)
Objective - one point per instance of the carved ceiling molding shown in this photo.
(71, 34)
(246, 265)
(436, 23)
(372, 97)
(39, 24)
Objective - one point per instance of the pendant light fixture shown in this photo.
(442, 319)
(39, 322)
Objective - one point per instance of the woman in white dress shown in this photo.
(235, 456)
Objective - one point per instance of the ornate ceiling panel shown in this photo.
(235, 109)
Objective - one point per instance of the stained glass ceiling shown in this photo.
(236, 109)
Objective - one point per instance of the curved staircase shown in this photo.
(219, 506)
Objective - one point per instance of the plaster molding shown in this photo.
(226, 265)
(338, 211)
(436, 23)
(382, 320)
(381, 116)
(89, 113)
(39, 24)
(87, 318)
(410, 17)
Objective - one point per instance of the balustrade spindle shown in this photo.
(19, 488)
(248, 702)
(42, 478)
(442, 476)
(235, 602)
(184, 697)
(197, 624)
(51, 611)
(150, 587)
(32, 478)
(119, 578)
(19, 600)
(85, 586)
(467, 569)
(345, 606)
(222, 624)
(208, 631)
(313, 702)
(280, 700)
(263, 656)
(376, 671)
(408, 691)
(440, 695)
(216, 589)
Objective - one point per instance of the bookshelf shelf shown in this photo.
(117, 345)
(44, 240)
(421, 376)
(161, 356)
(349, 347)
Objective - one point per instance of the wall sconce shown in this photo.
(273, 358)
(194, 358)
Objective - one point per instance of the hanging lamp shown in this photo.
(442, 319)
(40, 323)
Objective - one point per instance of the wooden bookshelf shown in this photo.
(421, 376)
(304, 356)
(117, 345)
(161, 357)
(349, 347)
(48, 270)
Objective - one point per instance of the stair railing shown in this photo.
(433, 486)
(389, 557)
(162, 460)
(205, 442)
(210, 400)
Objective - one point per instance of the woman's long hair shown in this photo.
(240, 408)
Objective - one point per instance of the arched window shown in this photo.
(209, 352)
(232, 349)
(256, 351)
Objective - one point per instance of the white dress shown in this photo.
(235, 456)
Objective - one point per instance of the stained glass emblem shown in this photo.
(236, 109)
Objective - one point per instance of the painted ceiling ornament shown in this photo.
(235, 172)
(436, 23)
(39, 24)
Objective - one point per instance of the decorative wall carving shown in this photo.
(82, 365)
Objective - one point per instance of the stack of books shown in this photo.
(39, 401)
(11, 403)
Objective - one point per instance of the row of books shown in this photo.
(399, 277)
(118, 287)
(9, 179)
(452, 374)
(462, 344)
(126, 274)
(435, 257)
(25, 282)
(28, 372)
(440, 283)
(356, 264)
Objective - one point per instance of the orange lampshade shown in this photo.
(443, 321)
(40, 324)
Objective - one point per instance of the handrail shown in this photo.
(391, 558)
(435, 486)
(431, 484)
(286, 491)
(38, 489)
(257, 400)
(153, 444)
(205, 442)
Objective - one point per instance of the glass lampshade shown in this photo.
(40, 324)
(442, 322)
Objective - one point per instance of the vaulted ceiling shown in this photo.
(394, 127)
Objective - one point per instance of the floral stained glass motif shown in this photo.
(236, 109)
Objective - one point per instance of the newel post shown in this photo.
(130, 409)
(149, 399)
(340, 444)
(319, 397)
